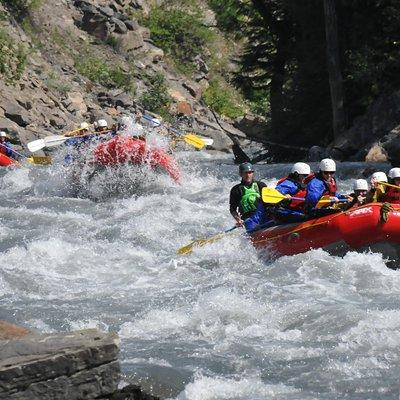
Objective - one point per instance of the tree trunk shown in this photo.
(279, 29)
(335, 75)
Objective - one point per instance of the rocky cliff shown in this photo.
(78, 60)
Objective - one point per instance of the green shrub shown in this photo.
(98, 71)
(13, 58)
(156, 99)
(21, 8)
(179, 33)
(223, 100)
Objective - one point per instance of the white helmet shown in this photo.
(360, 184)
(394, 173)
(3, 134)
(379, 177)
(327, 165)
(102, 123)
(84, 125)
(301, 168)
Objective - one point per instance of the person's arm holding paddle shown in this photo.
(234, 200)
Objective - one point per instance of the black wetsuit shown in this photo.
(235, 207)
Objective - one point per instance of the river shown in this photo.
(220, 323)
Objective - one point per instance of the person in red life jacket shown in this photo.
(5, 146)
(393, 195)
(243, 199)
(323, 184)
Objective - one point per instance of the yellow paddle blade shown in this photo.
(199, 243)
(271, 196)
(194, 141)
(39, 160)
(202, 242)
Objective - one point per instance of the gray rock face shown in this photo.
(77, 365)
(132, 25)
(119, 26)
(382, 116)
(391, 144)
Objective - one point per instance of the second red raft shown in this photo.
(121, 150)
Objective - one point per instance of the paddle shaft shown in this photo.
(303, 199)
(160, 124)
(389, 184)
(16, 152)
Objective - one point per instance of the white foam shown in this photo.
(208, 388)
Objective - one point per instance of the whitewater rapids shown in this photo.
(220, 323)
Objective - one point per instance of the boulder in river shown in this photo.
(75, 365)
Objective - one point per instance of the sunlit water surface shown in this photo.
(220, 323)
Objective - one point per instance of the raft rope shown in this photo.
(385, 209)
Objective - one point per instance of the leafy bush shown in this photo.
(179, 33)
(156, 99)
(222, 100)
(13, 58)
(21, 8)
(98, 71)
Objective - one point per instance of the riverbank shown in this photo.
(75, 365)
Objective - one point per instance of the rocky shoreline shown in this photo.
(74, 365)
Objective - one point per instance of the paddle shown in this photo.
(202, 242)
(189, 138)
(207, 141)
(273, 196)
(39, 160)
(53, 141)
(15, 152)
(193, 140)
(389, 184)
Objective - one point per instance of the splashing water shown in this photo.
(220, 323)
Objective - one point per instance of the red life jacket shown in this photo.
(330, 186)
(392, 196)
(301, 192)
(3, 150)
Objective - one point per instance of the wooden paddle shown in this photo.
(202, 242)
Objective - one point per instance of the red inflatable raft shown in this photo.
(358, 228)
(6, 161)
(122, 150)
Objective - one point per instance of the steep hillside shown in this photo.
(65, 61)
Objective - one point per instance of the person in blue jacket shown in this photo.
(6, 147)
(323, 184)
(288, 210)
(294, 185)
